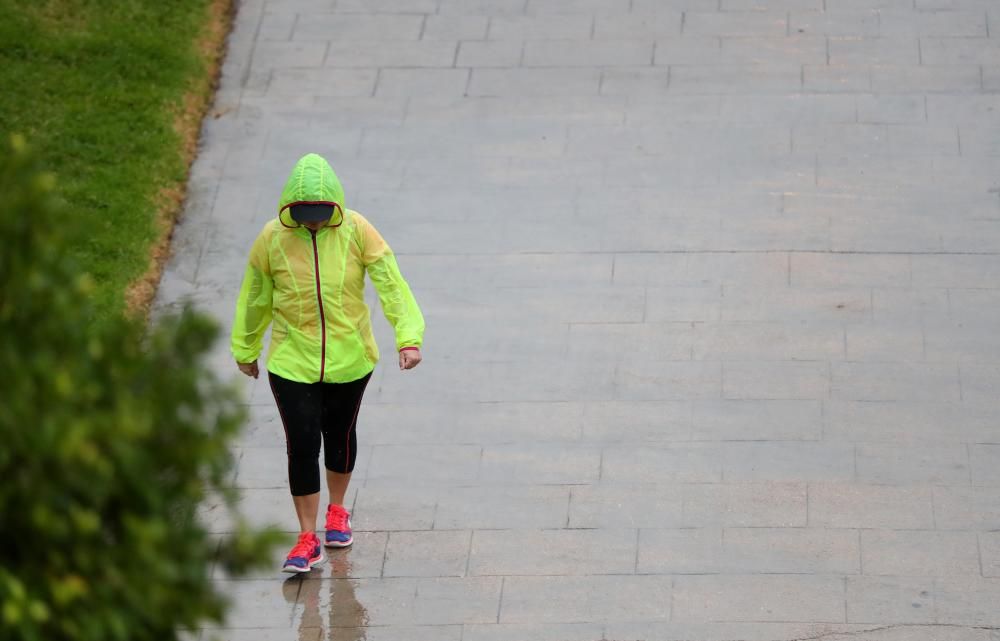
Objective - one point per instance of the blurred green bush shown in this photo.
(111, 435)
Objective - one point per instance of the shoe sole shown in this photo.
(339, 544)
(291, 569)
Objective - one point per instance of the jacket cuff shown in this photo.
(410, 348)
(244, 356)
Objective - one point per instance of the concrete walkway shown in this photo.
(711, 286)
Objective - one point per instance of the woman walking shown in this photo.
(306, 273)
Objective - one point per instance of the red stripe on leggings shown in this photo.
(281, 415)
(354, 422)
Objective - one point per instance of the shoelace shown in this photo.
(336, 519)
(304, 547)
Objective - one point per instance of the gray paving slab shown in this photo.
(586, 599)
(777, 380)
(533, 632)
(748, 550)
(743, 341)
(891, 109)
(630, 422)
(880, 342)
(840, 78)
(840, 505)
(927, 79)
(852, 50)
(495, 507)
(772, 50)
(481, 7)
(790, 632)
(966, 508)
(444, 553)
(989, 549)
(836, 23)
(958, 23)
(736, 597)
(918, 553)
(757, 420)
(905, 464)
(711, 294)
(796, 460)
(894, 600)
(972, 600)
(764, 504)
(628, 504)
(553, 552)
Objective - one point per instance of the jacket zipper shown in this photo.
(322, 317)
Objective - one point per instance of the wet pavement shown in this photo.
(711, 289)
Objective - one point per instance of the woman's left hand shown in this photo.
(409, 358)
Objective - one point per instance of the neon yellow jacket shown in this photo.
(312, 286)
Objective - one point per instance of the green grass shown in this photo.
(95, 86)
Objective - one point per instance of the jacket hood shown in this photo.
(312, 181)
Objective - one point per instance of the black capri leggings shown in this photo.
(315, 414)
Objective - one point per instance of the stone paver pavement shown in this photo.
(712, 291)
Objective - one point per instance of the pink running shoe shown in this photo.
(338, 527)
(306, 553)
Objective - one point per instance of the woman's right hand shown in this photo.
(250, 369)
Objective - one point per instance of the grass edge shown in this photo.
(194, 106)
